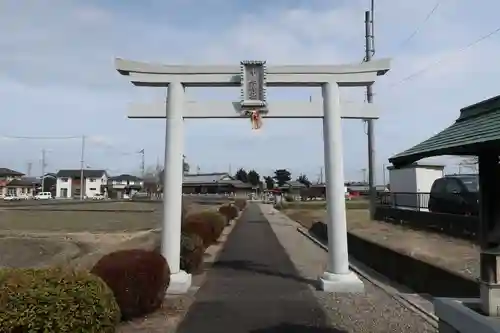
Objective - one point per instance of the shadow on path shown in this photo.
(250, 266)
(290, 328)
(254, 287)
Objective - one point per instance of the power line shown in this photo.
(101, 144)
(15, 137)
(419, 27)
(439, 61)
(426, 68)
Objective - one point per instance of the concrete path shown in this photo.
(254, 287)
(264, 281)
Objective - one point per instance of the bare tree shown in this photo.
(470, 163)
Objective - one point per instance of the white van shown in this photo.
(43, 196)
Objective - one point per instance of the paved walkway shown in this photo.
(254, 287)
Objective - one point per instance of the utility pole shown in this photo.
(142, 163)
(82, 166)
(369, 52)
(321, 175)
(43, 169)
(30, 165)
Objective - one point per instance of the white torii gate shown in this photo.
(253, 77)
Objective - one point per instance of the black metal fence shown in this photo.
(411, 210)
(405, 200)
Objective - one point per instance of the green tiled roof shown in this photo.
(477, 127)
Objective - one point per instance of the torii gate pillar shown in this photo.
(253, 77)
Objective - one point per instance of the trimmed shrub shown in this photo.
(196, 224)
(138, 278)
(229, 211)
(55, 300)
(216, 221)
(192, 250)
(240, 203)
(206, 224)
(289, 198)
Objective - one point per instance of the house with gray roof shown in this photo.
(124, 185)
(200, 183)
(217, 182)
(68, 183)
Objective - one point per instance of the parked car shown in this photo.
(98, 196)
(455, 194)
(43, 196)
(141, 196)
(10, 197)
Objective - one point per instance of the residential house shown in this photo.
(49, 181)
(293, 188)
(68, 183)
(214, 183)
(200, 183)
(119, 186)
(6, 176)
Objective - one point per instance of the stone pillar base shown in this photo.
(463, 316)
(180, 283)
(341, 283)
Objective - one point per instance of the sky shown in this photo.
(57, 78)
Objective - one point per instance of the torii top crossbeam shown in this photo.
(146, 74)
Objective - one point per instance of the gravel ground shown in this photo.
(374, 311)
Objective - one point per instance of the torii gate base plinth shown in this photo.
(253, 77)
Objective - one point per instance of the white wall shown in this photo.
(402, 180)
(60, 184)
(411, 185)
(426, 177)
(93, 185)
(120, 184)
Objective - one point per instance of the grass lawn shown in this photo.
(39, 236)
(454, 254)
(321, 205)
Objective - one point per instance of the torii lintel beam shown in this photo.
(281, 109)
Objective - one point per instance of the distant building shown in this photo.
(217, 182)
(68, 184)
(119, 186)
(14, 183)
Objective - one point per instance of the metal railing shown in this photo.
(405, 200)
(411, 210)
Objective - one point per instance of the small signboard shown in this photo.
(253, 85)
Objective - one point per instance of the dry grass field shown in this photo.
(79, 234)
(444, 251)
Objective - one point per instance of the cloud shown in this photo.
(58, 76)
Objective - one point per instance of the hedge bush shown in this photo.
(207, 224)
(240, 203)
(196, 224)
(192, 250)
(138, 278)
(229, 211)
(55, 300)
(217, 221)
